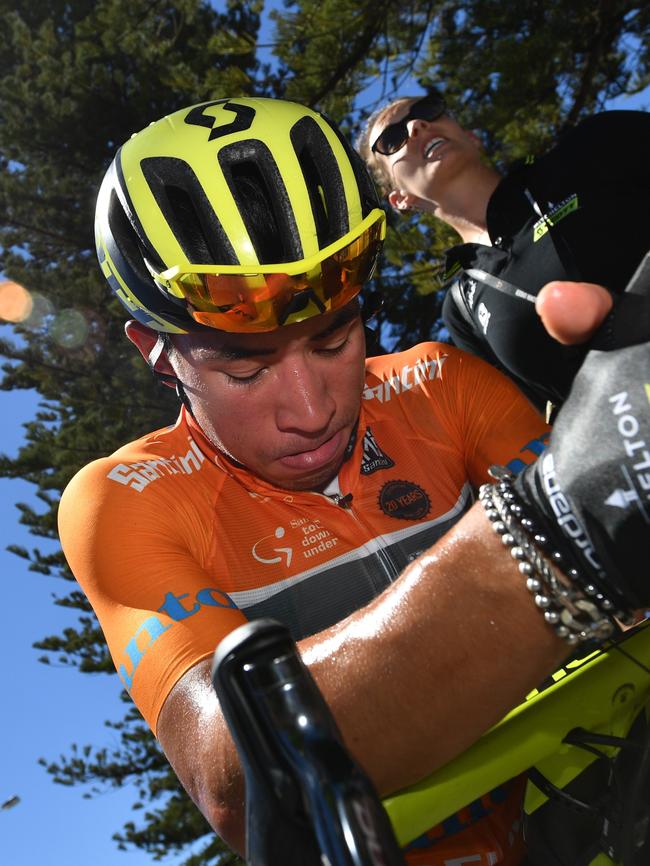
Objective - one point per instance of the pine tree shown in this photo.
(78, 77)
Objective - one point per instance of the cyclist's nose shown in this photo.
(304, 402)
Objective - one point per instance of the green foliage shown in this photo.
(525, 70)
(173, 824)
(77, 77)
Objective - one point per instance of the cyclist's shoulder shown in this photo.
(161, 455)
(427, 370)
(421, 357)
(383, 364)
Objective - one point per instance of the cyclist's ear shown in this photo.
(145, 340)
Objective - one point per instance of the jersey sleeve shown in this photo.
(488, 416)
(134, 556)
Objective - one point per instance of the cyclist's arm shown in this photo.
(412, 679)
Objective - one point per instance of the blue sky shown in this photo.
(48, 708)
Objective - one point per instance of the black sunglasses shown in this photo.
(395, 135)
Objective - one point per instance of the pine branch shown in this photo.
(362, 45)
(605, 37)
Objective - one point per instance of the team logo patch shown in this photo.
(404, 500)
(374, 458)
(556, 213)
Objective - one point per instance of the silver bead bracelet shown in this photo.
(577, 613)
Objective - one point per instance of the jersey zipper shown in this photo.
(381, 555)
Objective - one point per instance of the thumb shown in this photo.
(572, 312)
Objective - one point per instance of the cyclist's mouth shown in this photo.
(318, 457)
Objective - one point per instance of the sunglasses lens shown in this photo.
(392, 138)
(395, 135)
(262, 302)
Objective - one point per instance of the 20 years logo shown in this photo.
(404, 500)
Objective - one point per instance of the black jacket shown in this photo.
(580, 212)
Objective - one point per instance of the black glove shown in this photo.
(589, 491)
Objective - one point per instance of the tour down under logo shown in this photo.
(404, 500)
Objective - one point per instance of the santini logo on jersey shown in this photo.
(138, 475)
(374, 458)
(407, 378)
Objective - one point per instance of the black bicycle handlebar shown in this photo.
(308, 803)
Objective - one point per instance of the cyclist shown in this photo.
(302, 481)
(575, 213)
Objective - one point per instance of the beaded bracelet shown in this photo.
(576, 613)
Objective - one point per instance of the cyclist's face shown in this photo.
(435, 154)
(284, 403)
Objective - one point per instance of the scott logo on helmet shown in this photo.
(244, 116)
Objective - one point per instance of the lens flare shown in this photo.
(42, 312)
(70, 329)
(15, 302)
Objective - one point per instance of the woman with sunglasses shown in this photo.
(577, 213)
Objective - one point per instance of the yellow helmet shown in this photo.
(238, 214)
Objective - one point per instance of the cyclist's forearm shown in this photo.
(198, 745)
(419, 674)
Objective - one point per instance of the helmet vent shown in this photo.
(322, 175)
(131, 249)
(188, 212)
(366, 187)
(261, 218)
(262, 200)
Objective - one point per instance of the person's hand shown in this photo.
(572, 312)
(577, 313)
(589, 491)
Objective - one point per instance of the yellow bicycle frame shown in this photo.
(602, 693)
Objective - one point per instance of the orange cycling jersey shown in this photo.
(175, 545)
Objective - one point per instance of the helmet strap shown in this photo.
(161, 345)
(182, 396)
